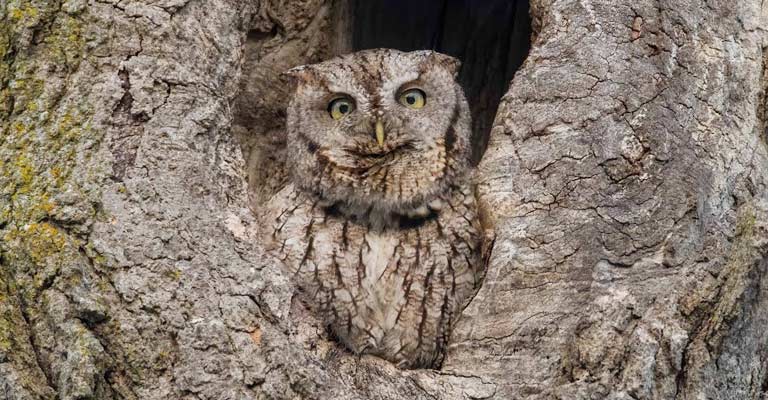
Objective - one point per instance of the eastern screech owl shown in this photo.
(378, 224)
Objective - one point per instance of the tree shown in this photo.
(625, 181)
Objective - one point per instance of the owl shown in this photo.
(378, 223)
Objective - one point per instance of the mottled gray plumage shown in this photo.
(381, 236)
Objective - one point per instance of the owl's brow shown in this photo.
(415, 83)
(424, 66)
(368, 78)
(312, 77)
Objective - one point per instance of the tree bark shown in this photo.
(625, 180)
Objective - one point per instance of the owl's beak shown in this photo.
(380, 133)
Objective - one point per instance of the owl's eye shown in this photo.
(340, 107)
(413, 98)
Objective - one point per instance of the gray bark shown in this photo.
(625, 180)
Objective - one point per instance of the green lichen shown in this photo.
(173, 274)
(6, 319)
(39, 241)
(45, 132)
(5, 334)
(67, 42)
(23, 14)
(745, 224)
(11, 321)
(42, 128)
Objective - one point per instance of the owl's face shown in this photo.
(379, 129)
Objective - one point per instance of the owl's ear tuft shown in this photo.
(297, 75)
(452, 64)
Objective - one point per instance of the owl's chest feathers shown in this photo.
(380, 249)
(373, 277)
(378, 254)
(392, 290)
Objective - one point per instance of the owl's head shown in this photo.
(379, 130)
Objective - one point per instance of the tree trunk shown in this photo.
(625, 179)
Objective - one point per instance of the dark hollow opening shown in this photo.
(490, 37)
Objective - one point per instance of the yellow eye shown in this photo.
(340, 107)
(413, 98)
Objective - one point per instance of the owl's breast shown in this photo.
(391, 292)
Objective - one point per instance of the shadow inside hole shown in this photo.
(490, 37)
